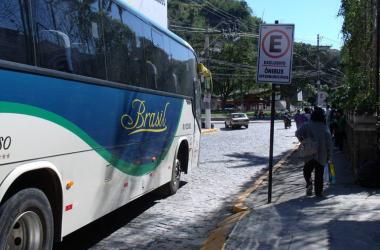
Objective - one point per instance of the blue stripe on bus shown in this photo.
(115, 118)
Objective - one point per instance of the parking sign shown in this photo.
(275, 53)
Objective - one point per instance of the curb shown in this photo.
(209, 131)
(217, 238)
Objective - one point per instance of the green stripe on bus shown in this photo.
(130, 169)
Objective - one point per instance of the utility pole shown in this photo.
(207, 94)
(377, 72)
(241, 96)
(318, 73)
(318, 65)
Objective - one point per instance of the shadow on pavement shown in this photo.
(348, 217)
(253, 160)
(96, 231)
(232, 129)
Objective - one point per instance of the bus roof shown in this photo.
(154, 24)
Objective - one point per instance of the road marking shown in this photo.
(217, 238)
(209, 131)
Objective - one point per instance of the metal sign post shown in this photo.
(272, 114)
(274, 66)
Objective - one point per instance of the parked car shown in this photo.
(236, 120)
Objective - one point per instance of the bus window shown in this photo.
(116, 40)
(191, 73)
(124, 46)
(151, 70)
(135, 55)
(160, 58)
(15, 42)
(170, 80)
(178, 62)
(68, 36)
(158, 39)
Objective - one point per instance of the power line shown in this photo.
(332, 40)
(224, 14)
(247, 66)
(187, 27)
(230, 15)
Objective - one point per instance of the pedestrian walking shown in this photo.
(287, 120)
(316, 131)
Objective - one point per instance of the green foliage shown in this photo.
(232, 57)
(305, 72)
(358, 57)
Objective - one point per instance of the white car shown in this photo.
(236, 120)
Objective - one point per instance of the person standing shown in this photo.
(316, 130)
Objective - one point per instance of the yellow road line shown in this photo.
(209, 131)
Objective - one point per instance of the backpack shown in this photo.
(308, 147)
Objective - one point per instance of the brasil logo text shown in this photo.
(140, 120)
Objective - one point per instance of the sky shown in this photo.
(310, 17)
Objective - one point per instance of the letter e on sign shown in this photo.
(275, 53)
(275, 41)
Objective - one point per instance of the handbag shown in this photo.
(308, 148)
(332, 173)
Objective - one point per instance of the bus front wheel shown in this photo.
(26, 221)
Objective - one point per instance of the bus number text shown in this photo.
(5, 142)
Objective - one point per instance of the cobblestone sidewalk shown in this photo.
(347, 218)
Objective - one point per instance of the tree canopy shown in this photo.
(358, 92)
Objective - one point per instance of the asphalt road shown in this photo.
(230, 160)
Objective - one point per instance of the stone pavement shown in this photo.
(348, 217)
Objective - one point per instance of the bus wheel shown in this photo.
(171, 187)
(26, 221)
(176, 177)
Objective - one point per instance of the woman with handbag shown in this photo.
(316, 145)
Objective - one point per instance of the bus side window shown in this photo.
(178, 63)
(191, 74)
(160, 58)
(116, 40)
(135, 56)
(68, 37)
(15, 40)
(124, 45)
(175, 83)
(151, 73)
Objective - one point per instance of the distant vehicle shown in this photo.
(236, 120)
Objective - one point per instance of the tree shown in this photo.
(232, 51)
(358, 92)
(304, 75)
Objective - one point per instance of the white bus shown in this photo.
(98, 106)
